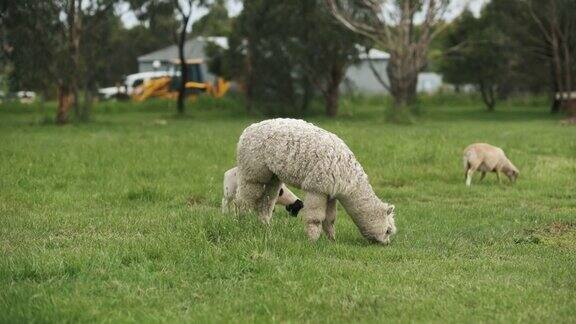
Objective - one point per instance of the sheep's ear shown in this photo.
(390, 210)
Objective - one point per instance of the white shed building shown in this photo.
(360, 78)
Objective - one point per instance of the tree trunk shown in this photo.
(403, 80)
(86, 110)
(248, 77)
(332, 93)
(556, 54)
(488, 96)
(183, 67)
(75, 102)
(74, 37)
(307, 95)
(44, 117)
(64, 103)
(331, 99)
(555, 106)
(183, 77)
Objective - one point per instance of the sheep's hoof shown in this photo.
(314, 229)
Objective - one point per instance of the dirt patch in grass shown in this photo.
(569, 121)
(394, 183)
(194, 201)
(145, 194)
(558, 233)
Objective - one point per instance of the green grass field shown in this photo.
(118, 220)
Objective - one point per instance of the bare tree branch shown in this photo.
(376, 73)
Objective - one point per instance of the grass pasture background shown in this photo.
(118, 221)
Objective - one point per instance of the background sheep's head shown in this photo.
(512, 175)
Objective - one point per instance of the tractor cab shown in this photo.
(195, 83)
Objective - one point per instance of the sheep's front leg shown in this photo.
(470, 173)
(328, 223)
(314, 214)
(469, 177)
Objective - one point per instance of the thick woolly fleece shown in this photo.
(305, 156)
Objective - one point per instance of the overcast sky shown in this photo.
(235, 6)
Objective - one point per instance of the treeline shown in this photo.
(64, 49)
(286, 53)
(514, 47)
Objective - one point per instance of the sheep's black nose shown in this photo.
(295, 207)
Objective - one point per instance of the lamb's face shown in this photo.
(388, 225)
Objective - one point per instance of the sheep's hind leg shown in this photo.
(249, 195)
(268, 200)
(328, 223)
(314, 214)
(469, 174)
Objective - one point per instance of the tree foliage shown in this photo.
(216, 22)
(515, 46)
(283, 53)
(476, 53)
(46, 38)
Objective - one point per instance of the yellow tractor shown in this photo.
(167, 86)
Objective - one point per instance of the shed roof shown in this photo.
(373, 54)
(193, 49)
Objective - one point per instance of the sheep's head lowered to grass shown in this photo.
(375, 219)
(391, 226)
(382, 227)
(512, 174)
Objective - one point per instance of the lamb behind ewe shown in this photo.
(285, 196)
(487, 158)
(305, 156)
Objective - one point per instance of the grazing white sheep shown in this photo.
(300, 154)
(487, 158)
(285, 196)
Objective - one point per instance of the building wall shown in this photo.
(429, 82)
(361, 79)
(146, 66)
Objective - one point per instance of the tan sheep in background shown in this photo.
(487, 158)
